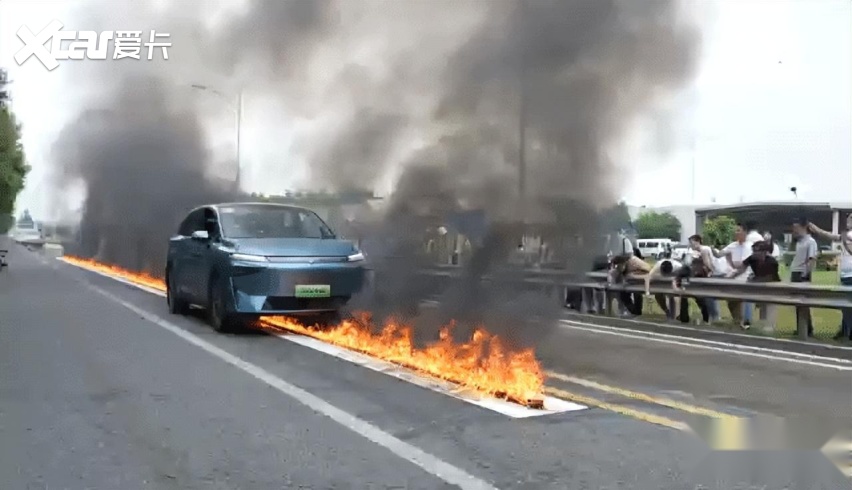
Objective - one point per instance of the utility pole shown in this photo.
(522, 146)
(522, 126)
(694, 156)
(237, 185)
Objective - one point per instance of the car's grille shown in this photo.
(307, 260)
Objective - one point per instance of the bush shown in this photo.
(828, 262)
(825, 261)
(6, 222)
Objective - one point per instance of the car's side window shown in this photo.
(313, 226)
(211, 223)
(185, 228)
(193, 222)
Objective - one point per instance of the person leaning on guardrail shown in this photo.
(845, 240)
(765, 269)
(669, 303)
(804, 262)
(705, 266)
(628, 265)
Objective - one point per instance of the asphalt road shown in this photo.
(100, 388)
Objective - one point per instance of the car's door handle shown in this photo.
(196, 254)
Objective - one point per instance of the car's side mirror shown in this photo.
(200, 235)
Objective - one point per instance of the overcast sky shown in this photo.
(773, 109)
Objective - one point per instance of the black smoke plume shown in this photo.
(144, 164)
(574, 77)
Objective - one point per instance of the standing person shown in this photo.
(703, 266)
(735, 253)
(804, 262)
(845, 239)
(720, 270)
(765, 269)
(626, 244)
(776, 250)
(753, 236)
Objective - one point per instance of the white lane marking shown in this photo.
(728, 345)
(552, 405)
(431, 464)
(619, 333)
(706, 331)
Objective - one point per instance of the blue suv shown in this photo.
(244, 260)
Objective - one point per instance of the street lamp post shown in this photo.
(238, 111)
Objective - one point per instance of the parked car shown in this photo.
(654, 248)
(244, 260)
(680, 252)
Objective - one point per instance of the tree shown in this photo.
(13, 170)
(658, 225)
(719, 230)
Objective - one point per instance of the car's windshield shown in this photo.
(271, 222)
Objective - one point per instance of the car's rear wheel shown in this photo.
(177, 306)
(217, 313)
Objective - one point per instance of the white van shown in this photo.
(654, 247)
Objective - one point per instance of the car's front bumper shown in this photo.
(270, 288)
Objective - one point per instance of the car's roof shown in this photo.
(235, 204)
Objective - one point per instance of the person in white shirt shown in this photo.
(735, 253)
(753, 236)
(626, 244)
(845, 240)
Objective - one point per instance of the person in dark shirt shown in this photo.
(761, 262)
(765, 268)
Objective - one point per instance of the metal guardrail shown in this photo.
(557, 282)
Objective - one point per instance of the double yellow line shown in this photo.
(633, 395)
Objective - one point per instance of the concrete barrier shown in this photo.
(52, 250)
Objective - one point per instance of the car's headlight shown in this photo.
(249, 258)
(356, 257)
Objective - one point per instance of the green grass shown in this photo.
(826, 321)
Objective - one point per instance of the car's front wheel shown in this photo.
(177, 306)
(217, 313)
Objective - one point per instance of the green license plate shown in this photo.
(313, 291)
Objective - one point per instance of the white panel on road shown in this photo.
(514, 410)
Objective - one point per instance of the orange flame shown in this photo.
(483, 363)
(140, 278)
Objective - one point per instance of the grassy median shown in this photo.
(826, 322)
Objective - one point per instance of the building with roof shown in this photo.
(777, 216)
(684, 213)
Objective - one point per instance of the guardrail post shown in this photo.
(608, 297)
(802, 316)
